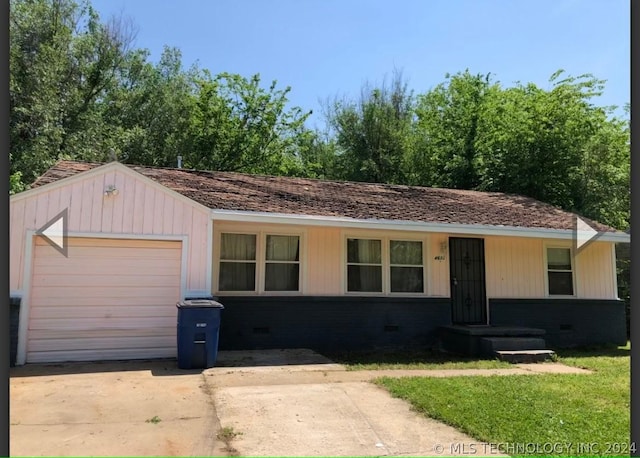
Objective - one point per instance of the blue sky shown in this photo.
(324, 48)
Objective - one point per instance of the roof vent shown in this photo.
(179, 162)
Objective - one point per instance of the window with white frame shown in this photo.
(364, 265)
(282, 263)
(237, 262)
(385, 266)
(259, 262)
(406, 266)
(559, 271)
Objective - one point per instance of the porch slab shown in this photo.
(525, 356)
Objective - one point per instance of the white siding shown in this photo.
(514, 267)
(594, 272)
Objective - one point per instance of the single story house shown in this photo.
(296, 263)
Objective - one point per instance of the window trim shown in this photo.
(261, 245)
(386, 262)
(545, 248)
(347, 264)
(266, 234)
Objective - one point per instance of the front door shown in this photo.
(466, 266)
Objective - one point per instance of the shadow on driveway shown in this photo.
(164, 367)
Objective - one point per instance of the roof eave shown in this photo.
(414, 226)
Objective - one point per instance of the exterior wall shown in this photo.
(324, 268)
(438, 262)
(595, 272)
(330, 323)
(514, 267)
(323, 258)
(139, 209)
(567, 322)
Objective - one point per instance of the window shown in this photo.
(364, 265)
(385, 266)
(407, 275)
(559, 272)
(282, 270)
(259, 262)
(237, 262)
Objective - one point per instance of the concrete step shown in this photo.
(525, 356)
(489, 345)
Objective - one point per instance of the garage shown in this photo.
(110, 299)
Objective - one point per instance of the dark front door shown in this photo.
(468, 296)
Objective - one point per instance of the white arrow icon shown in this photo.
(55, 232)
(584, 234)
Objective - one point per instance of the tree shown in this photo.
(373, 133)
(149, 108)
(446, 130)
(62, 59)
(236, 125)
(556, 146)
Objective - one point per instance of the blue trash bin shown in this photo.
(198, 330)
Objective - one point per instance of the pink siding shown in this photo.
(325, 262)
(16, 244)
(138, 209)
(81, 306)
(438, 281)
(514, 267)
(594, 272)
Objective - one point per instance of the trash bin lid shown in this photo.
(199, 303)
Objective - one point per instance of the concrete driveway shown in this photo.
(124, 408)
(282, 402)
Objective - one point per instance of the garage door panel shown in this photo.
(129, 294)
(99, 266)
(39, 334)
(101, 343)
(83, 253)
(98, 355)
(89, 280)
(144, 301)
(99, 324)
(106, 310)
(110, 299)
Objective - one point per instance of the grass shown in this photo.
(227, 435)
(551, 414)
(155, 420)
(413, 359)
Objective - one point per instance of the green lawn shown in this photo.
(535, 414)
(414, 359)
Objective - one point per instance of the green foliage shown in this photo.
(373, 134)
(62, 61)
(236, 125)
(555, 146)
(79, 92)
(533, 409)
(448, 118)
(411, 359)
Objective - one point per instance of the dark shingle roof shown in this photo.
(302, 196)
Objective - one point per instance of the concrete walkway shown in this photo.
(321, 409)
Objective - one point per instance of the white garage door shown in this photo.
(110, 299)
